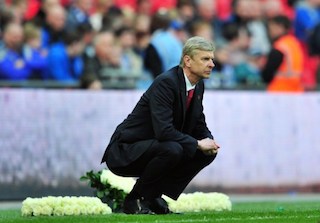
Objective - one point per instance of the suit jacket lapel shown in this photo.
(183, 90)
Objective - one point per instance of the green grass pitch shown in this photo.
(242, 212)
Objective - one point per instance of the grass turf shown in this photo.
(242, 212)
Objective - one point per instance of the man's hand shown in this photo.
(208, 146)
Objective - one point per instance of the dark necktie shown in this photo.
(189, 97)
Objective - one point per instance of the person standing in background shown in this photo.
(284, 64)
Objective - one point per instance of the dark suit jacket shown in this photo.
(160, 115)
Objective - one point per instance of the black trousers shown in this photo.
(164, 169)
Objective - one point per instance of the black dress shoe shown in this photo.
(136, 206)
(160, 206)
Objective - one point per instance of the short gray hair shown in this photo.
(195, 44)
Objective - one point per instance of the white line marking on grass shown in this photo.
(186, 220)
(263, 218)
(234, 219)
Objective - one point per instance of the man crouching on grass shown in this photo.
(165, 141)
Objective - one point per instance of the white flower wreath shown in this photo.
(59, 206)
(190, 202)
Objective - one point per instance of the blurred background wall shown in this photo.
(50, 138)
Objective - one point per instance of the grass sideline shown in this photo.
(242, 212)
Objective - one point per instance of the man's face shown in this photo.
(13, 37)
(275, 30)
(201, 64)
(56, 18)
(104, 46)
(85, 5)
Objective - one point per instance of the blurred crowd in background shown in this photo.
(99, 44)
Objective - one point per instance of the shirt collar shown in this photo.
(189, 86)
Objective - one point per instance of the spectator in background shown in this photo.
(233, 56)
(307, 17)
(112, 20)
(88, 34)
(18, 9)
(78, 13)
(240, 12)
(259, 35)
(186, 11)
(35, 55)
(131, 62)
(92, 76)
(6, 18)
(249, 13)
(103, 7)
(165, 48)
(284, 65)
(12, 62)
(103, 69)
(206, 11)
(142, 35)
(128, 17)
(41, 15)
(201, 28)
(54, 27)
(272, 8)
(142, 31)
(144, 7)
(64, 60)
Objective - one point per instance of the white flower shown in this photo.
(198, 201)
(58, 211)
(121, 183)
(46, 210)
(68, 210)
(60, 206)
(26, 209)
